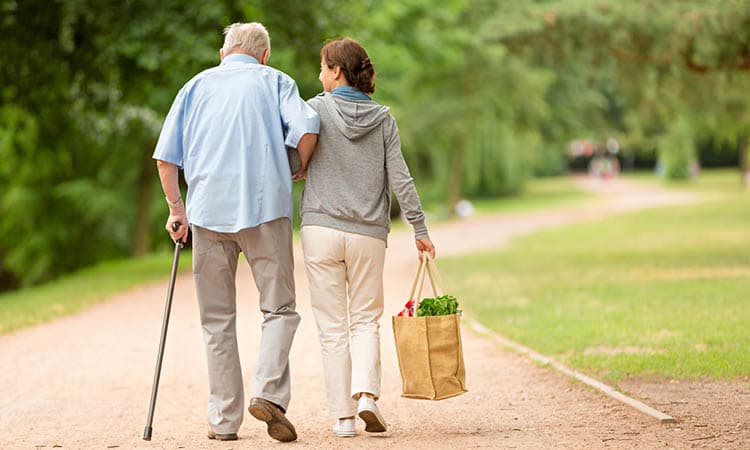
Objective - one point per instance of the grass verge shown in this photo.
(653, 293)
(539, 193)
(71, 293)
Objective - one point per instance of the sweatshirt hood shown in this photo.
(354, 118)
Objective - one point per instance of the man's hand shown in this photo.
(425, 245)
(168, 174)
(177, 214)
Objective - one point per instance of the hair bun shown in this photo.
(353, 61)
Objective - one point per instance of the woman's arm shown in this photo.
(402, 185)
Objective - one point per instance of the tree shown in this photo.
(467, 110)
(84, 87)
(667, 64)
(486, 93)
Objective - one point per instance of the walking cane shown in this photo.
(165, 323)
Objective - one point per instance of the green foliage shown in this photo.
(486, 93)
(82, 93)
(659, 292)
(468, 112)
(443, 305)
(638, 67)
(677, 152)
(84, 87)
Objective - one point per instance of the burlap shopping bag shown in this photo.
(429, 348)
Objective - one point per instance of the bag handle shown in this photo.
(426, 266)
(418, 280)
(432, 271)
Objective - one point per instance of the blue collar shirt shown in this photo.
(227, 129)
(350, 92)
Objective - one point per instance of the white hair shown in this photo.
(251, 38)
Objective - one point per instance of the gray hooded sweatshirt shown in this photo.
(358, 156)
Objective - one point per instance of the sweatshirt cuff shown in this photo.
(420, 230)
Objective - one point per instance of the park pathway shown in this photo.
(84, 381)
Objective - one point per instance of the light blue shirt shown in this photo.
(227, 129)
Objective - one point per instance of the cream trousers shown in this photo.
(345, 271)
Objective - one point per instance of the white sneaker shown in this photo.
(345, 428)
(368, 411)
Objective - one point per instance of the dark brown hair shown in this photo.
(353, 61)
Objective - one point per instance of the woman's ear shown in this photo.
(336, 72)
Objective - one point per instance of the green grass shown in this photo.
(654, 293)
(76, 291)
(539, 193)
(715, 181)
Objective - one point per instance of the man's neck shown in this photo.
(241, 52)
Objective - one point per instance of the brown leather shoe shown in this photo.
(222, 437)
(279, 427)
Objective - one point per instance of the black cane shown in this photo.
(164, 325)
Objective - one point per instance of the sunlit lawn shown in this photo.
(540, 193)
(658, 292)
(76, 291)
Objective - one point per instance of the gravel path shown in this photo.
(84, 381)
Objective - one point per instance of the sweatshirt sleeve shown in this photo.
(401, 181)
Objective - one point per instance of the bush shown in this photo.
(677, 152)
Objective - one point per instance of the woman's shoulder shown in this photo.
(317, 100)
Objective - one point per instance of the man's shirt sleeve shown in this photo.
(169, 145)
(297, 116)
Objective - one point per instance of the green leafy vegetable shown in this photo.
(439, 306)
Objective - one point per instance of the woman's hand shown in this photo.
(300, 175)
(425, 245)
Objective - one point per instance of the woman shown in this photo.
(345, 223)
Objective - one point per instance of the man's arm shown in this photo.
(169, 177)
(168, 156)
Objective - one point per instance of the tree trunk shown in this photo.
(8, 280)
(142, 230)
(455, 174)
(744, 163)
(456, 169)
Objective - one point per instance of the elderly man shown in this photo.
(228, 129)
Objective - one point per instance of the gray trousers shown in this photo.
(268, 250)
